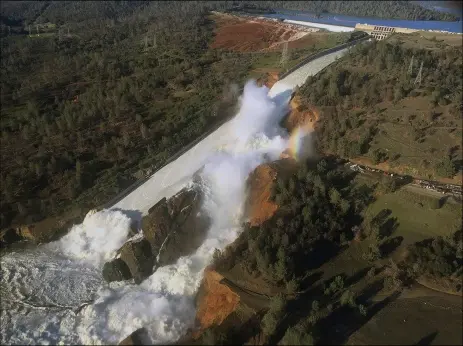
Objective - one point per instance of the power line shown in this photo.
(410, 67)
(418, 77)
(284, 54)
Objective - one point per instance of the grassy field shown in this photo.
(416, 215)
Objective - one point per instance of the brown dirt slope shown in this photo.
(300, 116)
(217, 301)
(260, 206)
(245, 35)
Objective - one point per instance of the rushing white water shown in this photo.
(45, 286)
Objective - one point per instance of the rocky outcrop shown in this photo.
(301, 115)
(29, 233)
(173, 228)
(116, 270)
(139, 258)
(9, 236)
(138, 337)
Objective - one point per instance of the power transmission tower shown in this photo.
(410, 67)
(418, 77)
(284, 54)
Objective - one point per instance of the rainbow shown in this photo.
(296, 140)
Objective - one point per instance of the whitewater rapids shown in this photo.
(43, 288)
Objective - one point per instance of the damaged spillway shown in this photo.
(94, 286)
(150, 281)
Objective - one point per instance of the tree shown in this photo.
(297, 336)
(38, 170)
(278, 303)
(269, 323)
(446, 168)
(348, 298)
(78, 172)
(143, 131)
(125, 138)
(379, 156)
(362, 310)
(399, 93)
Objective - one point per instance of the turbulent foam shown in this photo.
(164, 302)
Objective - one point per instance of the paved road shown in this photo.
(171, 178)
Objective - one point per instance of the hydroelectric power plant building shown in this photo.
(381, 32)
(376, 31)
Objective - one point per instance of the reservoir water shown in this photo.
(350, 21)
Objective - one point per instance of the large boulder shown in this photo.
(116, 270)
(189, 226)
(9, 236)
(172, 228)
(139, 258)
(138, 337)
(157, 225)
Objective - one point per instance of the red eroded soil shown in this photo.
(260, 206)
(245, 35)
(217, 301)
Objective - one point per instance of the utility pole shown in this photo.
(30, 30)
(146, 43)
(68, 31)
(37, 27)
(9, 30)
(284, 54)
(418, 77)
(155, 44)
(59, 34)
(410, 67)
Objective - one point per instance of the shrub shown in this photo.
(269, 323)
(362, 310)
(379, 156)
(373, 253)
(446, 168)
(278, 303)
(297, 336)
(348, 298)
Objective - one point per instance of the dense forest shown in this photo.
(380, 9)
(115, 88)
(372, 96)
(320, 210)
(323, 215)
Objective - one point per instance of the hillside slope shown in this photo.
(372, 110)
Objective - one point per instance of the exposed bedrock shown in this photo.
(173, 228)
